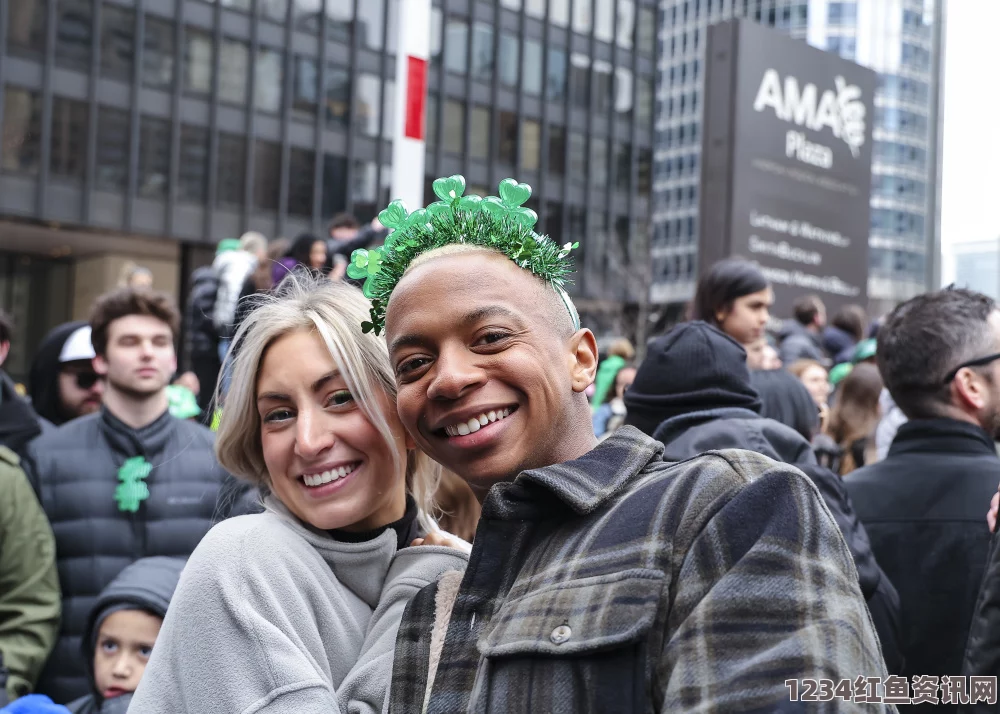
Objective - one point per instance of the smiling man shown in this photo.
(601, 578)
(127, 482)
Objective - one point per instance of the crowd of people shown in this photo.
(441, 495)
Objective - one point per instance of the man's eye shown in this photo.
(109, 647)
(491, 338)
(411, 364)
(340, 398)
(145, 651)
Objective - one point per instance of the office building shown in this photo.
(899, 39)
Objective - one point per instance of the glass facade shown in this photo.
(905, 137)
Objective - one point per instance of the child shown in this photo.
(122, 628)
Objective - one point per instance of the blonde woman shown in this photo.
(296, 609)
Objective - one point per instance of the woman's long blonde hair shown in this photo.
(335, 312)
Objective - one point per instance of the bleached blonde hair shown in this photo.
(334, 311)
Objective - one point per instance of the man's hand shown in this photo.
(991, 516)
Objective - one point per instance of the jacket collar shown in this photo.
(672, 428)
(941, 435)
(148, 441)
(583, 484)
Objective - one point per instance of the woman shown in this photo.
(620, 354)
(845, 331)
(815, 378)
(309, 251)
(735, 297)
(855, 417)
(296, 609)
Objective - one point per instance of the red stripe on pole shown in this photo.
(416, 98)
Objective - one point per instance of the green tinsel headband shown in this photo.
(496, 223)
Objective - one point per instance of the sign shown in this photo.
(786, 163)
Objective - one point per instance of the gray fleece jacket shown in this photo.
(272, 617)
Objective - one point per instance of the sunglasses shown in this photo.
(86, 380)
(978, 362)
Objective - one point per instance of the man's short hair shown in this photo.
(253, 242)
(806, 308)
(925, 338)
(852, 319)
(130, 301)
(6, 327)
(343, 220)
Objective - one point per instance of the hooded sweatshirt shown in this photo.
(44, 376)
(147, 584)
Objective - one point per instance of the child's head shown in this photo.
(125, 622)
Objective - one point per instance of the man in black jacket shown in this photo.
(19, 423)
(127, 482)
(693, 393)
(923, 506)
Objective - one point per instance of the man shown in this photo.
(200, 354)
(63, 383)
(801, 336)
(694, 393)
(601, 578)
(19, 423)
(923, 504)
(128, 482)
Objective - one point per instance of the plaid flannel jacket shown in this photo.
(620, 583)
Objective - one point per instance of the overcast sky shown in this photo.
(970, 203)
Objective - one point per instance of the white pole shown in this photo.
(408, 141)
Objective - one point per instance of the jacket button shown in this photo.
(561, 634)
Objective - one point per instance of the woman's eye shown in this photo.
(109, 646)
(278, 415)
(340, 398)
(145, 651)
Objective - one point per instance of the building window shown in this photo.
(242, 5)
(582, 16)
(579, 80)
(268, 80)
(275, 10)
(368, 102)
(22, 130)
(557, 150)
(158, 55)
(602, 87)
(234, 61)
(482, 51)
(625, 27)
(623, 166)
(842, 13)
(555, 85)
(371, 22)
(577, 158)
(232, 170)
(531, 145)
(301, 173)
(306, 16)
(644, 101)
(646, 31)
(559, 12)
(338, 96)
(604, 20)
(599, 162)
(334, 185)
(364, 189)
(431, 122)
(69, 138)
(117, 48)
(623, 91)
(454, 126)
(389, 110)
(533, 68)
(74, 29)
(266, 175)
(154, 157)
(507, 152)
(193, 170)
(26, 26)
(197, 61)
(509, 61)
(479, 124)
(112, 149)
(305, 88)
(456, 46)
(645, 161)
(339, 18)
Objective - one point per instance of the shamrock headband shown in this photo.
(499, 224)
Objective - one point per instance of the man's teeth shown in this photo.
(476, 423)
(328, 476)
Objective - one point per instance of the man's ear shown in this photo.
(100, 365)
(969, 391)
(583, 359)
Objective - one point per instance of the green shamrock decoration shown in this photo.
(133, 489)
(500, 223)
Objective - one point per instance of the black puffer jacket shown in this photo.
(74, 470)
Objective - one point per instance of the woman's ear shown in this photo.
(583, 359)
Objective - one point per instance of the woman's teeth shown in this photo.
(476, 423)
(328, 476)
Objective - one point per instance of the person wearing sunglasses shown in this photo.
(63, 383)
(923, 505)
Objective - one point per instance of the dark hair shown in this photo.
(855, 415)
(852, 319)
(302, 246)
(6, 327)
(130, 301)
(785, 399)
(343, 220)
(724, 282)
(925, 338)
(806, 308)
